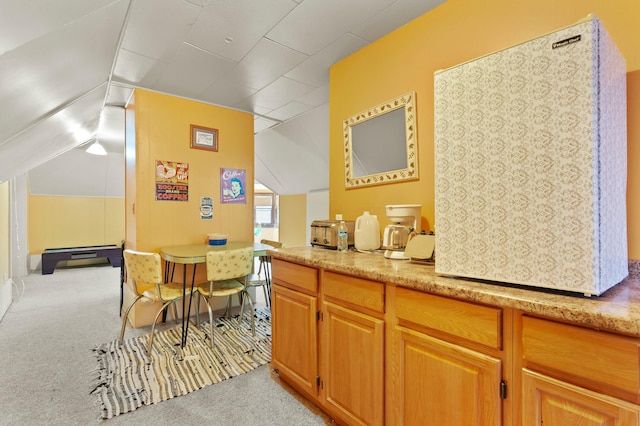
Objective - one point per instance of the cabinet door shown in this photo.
(294, 342)
(550, 402)
(441, 383)
(353, 372)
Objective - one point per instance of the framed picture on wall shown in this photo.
(204, 138)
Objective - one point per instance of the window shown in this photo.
(266, 210)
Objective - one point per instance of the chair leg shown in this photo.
(253, 330)
(260, 267)
(228, 308)
(206, 300)
(266, 296)
(197, 308)
(125, 317)
(241, 303)
(175, 312)
(153, 326)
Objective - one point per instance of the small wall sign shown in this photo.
(206, 208)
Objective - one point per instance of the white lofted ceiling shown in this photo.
(68, 68)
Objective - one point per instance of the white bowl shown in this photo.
(216, 239)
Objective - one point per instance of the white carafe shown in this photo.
(366, 234)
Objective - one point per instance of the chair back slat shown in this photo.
(145, 269)
(274, 244)
(229, 264)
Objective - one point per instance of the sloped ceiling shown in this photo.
(293, 158)
(68, 68)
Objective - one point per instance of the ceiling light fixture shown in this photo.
(96, 149)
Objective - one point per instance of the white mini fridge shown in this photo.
(531, 163)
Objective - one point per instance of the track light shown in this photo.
(96, 149)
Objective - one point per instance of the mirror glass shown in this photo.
(380, 144)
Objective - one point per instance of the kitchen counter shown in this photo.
(617, 310)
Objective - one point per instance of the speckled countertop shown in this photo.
(618, 309)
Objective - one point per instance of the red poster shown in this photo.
(172, 181)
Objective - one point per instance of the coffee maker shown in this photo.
(405, 220)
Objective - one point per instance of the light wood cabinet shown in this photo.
(573, 375)
(332, 351)
(442, 383)
(352, 360)
(593, 359)
(294, 347)
(373, 353)
(551, 402)
(446, 362)
(353, 365)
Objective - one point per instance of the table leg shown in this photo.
(267, 277)
(185, 315)
(166, 280)
(185, 327)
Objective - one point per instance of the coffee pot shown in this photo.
(395, 237)
(405, 220)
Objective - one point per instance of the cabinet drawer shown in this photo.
(589, 358)
(295, 276)
(357, 291)
(477, 323)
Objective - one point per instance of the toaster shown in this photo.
(324, 233)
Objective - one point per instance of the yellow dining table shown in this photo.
(194, 254)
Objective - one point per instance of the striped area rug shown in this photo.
(128, 378)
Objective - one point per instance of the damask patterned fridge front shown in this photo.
(531, 163)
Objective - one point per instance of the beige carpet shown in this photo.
(128, 378)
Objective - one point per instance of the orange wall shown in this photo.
(158, 129)
(293, 220)
(455, 32)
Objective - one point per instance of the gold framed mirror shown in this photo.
(380, 144)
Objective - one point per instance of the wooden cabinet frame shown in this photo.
(365, 348)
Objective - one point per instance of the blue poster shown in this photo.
(232, 186)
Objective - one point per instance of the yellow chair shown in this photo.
(145, 270)
(265, 262)
(227, 272)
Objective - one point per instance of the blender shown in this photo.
(405, 220)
